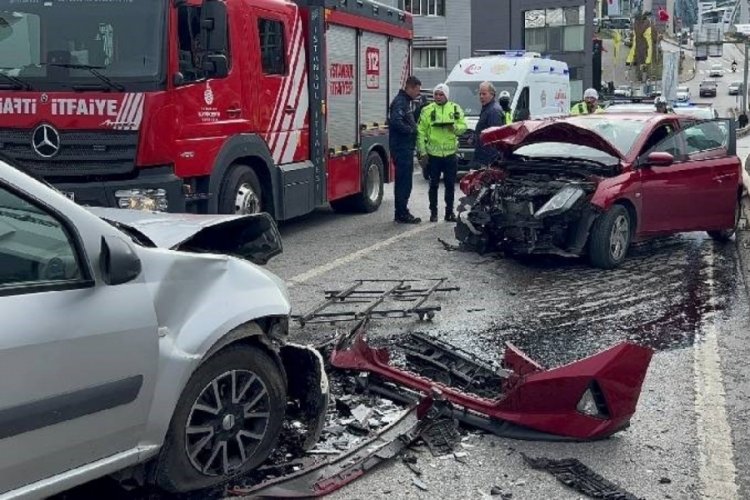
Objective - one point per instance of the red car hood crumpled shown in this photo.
(511, 137)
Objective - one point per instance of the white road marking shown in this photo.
(330, 266)
(717, 472)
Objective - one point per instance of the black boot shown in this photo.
(408, 219)
(433, 215)
(450, 216)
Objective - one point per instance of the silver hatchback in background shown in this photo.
(147, 345)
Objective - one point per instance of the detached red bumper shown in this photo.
(585, 400)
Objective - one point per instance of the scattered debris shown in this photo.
(323, 478)
(419, 484)
(526, 402)
(498, 491)
(447, 246)
(386, 303)
(411, 462)
(441, 436)
(665, 480)
(578, 476)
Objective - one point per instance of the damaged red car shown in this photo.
(593, 185)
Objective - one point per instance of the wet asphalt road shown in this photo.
(670, 295)
(684, 296)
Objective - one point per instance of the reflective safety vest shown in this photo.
(508, 118)
(582, 109)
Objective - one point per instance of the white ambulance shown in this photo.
(539, 88)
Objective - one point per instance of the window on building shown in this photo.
(429, 58)
(555, 30)
(423, 7)
(272, 51)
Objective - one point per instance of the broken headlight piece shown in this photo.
(561, 202)
(592, 402)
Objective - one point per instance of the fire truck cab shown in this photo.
(206, 106)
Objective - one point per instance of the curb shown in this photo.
(742, 240)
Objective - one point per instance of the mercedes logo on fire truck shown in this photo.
(46, 141)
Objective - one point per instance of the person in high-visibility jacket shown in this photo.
(589, 105)
(504, 101)
(440, 124)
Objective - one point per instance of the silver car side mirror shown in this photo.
(118, 262)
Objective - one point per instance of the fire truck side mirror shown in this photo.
(214, 26)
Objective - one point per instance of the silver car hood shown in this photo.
(251, 237)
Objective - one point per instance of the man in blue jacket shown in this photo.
(490, 116)
(403, 116)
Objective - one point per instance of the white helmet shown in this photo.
(504, 95)
(591, 94)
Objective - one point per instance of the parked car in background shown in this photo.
(708, 88)
(716, 70)
(623, 91)
(683, 93)
(143, 343)
(735, 88)
(592, 185)
(700, 111)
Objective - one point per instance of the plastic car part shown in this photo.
(572, 473)
(544, 402)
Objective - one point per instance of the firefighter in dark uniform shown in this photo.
(403, 116)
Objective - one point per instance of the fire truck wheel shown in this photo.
(372, 185)
(241, 192)
(372, 189)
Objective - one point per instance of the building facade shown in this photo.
(442, 36)
(560, 29)
(446, 31)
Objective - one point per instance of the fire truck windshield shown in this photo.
(81, 44)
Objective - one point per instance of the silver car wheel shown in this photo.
(227, 423)
(247, 201)
(619, 237)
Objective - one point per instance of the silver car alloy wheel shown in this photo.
(247, 200)
(227, 422)
(618, 238)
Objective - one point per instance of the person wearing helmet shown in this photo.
(504, 101)
(490, 116)
(661, 105)
(589, 105)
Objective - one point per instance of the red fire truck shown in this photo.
(206, 106)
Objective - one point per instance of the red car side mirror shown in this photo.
(659, 159)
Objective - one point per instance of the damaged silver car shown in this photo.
(150, 346)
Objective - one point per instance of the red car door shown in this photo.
(690, 194)
(708, 143)
(663, 188)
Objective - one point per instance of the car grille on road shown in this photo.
(81, 153)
